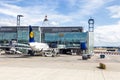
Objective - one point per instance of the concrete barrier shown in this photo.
(108, 53)
(102, 66)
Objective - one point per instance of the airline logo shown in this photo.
(31, 35)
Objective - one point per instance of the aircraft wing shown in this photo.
(5, 47)
(18, 48)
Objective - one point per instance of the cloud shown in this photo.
(8, 9)
(90, 7)
(72, 2)
(7, 21)
(107, 35)
(34, 14)
(8, 13)
(118, 22)
(114, 11)
(54, 23)
(10, 1)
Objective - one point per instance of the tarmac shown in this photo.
(63, 67)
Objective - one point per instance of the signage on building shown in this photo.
(61, 29)
(8, 29)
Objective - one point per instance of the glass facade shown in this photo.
(70, 39)
(20, 33)
(23, 34)
(68, 36)
(7, 35)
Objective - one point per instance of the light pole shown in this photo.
(18, 19)
(18, 25)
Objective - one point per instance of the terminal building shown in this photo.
(66, 38)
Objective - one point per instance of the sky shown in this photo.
(106, 14)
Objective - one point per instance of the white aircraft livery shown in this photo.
(36, 46)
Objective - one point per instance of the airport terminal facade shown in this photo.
(70, 36)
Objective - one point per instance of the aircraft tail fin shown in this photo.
(31, 34)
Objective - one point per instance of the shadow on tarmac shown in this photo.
(15, 56)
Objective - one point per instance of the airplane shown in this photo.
(38, 47)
